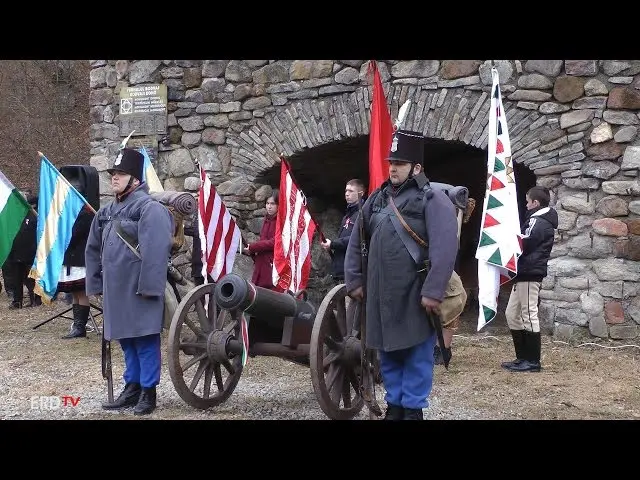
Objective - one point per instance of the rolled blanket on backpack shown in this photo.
(458, 195)
(182, 202)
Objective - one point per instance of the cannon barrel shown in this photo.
(234, 292)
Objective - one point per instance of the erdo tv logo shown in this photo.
(53, 402)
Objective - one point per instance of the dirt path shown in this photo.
(577, 382)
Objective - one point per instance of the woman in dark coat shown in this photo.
(262, 250)
(73, 275)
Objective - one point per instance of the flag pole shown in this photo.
(93, 210)
(288, 165)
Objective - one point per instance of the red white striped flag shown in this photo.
(219, 234)
(294, 233)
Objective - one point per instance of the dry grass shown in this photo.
(576, 382)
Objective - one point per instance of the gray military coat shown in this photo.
(395, 317)
(132, 288)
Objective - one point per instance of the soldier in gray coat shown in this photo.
(398, 295)
(132, 286)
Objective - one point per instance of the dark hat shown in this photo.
(407, 146)
(129, 161)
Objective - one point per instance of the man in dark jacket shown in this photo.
(9, 281)
(522, 309)
(353, 192)
(20, 259)
(399, 296)
(132, 284)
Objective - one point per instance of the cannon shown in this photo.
(205, 343)
(205, 346)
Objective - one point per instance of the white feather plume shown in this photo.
(402, 113)
(124, 142)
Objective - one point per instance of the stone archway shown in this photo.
(572, 122)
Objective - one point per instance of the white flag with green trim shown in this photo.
(13, 210)
(499, 245)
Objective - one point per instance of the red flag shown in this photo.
(219, 234)
(380, 133)
(294, 233)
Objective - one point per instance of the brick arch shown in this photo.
(448, 114)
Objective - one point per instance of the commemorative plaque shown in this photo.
(143, 108)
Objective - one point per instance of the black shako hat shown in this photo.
(407, 146)
(129, 161)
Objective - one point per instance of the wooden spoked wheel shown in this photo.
(203, 373)
(335, 355)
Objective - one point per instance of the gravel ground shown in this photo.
(587, 382)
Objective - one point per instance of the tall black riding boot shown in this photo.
(532, 346)
(518, 344)
(80, 319)
(128, 398)
(147, 402)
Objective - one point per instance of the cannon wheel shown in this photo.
(194, 371)
(334, 363)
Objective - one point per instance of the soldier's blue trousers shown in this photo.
(142, 361)
(408, 374)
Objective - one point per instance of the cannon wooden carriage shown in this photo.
(205, 344)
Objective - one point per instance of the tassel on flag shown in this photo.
(499, 246)
(244, 330)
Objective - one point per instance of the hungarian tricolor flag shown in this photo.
(380, 133)
(13, 210)
(294, 233)
(499, 244)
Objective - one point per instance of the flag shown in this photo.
(219, 234)
(499, 244)
(58, 207)
(380, 133)
(13, 210)
(149, 174)
(294, 233)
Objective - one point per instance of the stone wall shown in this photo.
(572, 122)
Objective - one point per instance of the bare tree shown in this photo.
(44, 106)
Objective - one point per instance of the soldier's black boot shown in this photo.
(34, 300)
(413, 414)
(519, 346)
(80, 318)
(531, 361)
(394, 412)
(128, 398)
(15, 305)
(147, 402)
